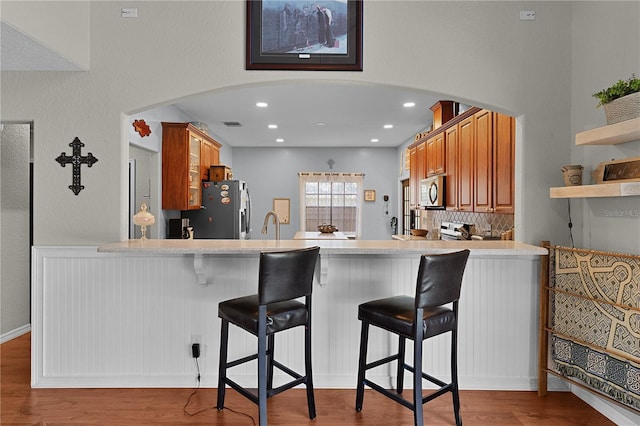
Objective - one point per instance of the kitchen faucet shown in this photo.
(276, 221)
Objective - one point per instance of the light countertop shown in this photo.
(319, 236)
(331, 246)
(408, 238)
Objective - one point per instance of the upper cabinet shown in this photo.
(622, 132)
(435, 155)
(187, 154)
(494, 160)
(465, 154)
(483, 162)
(443, 112)
(414, 180)
(210, 157)
(504, 161)
(476, 150)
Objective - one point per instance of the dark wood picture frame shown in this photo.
(293, 35)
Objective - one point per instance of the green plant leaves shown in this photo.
(618, 90)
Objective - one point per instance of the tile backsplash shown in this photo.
(484, 223)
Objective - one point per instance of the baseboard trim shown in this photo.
(612, 411)
(15, 333)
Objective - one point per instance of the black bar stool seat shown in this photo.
(417, 318)
(285, 278)
(397, 315)
(281, 316)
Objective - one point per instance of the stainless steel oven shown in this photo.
(432, 192)
(455, 231)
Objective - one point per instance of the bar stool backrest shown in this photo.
(286, 275)
(440, 278)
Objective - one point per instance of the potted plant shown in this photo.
(621, 101)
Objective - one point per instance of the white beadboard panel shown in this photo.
(103, 320)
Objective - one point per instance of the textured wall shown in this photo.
(175, 49)
(14, 221)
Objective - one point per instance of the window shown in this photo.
(332, 198)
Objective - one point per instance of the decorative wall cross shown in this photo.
(76, 160)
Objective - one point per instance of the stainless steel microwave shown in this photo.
(432, 192)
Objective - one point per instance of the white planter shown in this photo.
(622, 109)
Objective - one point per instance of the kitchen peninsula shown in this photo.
(125, 314)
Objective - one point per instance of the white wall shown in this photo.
(541, 71)
(63, 27)
(521, 68)
(14, 221)
(272, 173)
(598, 61)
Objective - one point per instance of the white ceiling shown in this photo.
(352, 114)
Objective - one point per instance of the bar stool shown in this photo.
(283, 277)
(439, 282)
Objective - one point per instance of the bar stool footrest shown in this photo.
(428, 377)
(395, 396)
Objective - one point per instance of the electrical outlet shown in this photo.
(129, 12)
(195, 350)
(527, 15)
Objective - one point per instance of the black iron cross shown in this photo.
(76, 160)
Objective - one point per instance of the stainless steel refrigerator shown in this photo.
(225, 212)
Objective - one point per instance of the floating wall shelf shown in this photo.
(625, 131)
(616, 189)
(613, 134)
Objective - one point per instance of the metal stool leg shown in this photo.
(417, 370)
(311, 402)
(400, 370)
(454, 376)
(262, 365)
(222, 367)
(270, 358)
(362, 362)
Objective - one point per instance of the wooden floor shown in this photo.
(21, 405)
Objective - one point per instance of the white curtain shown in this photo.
(331, 177)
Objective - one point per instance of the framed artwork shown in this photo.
(369, 194)
(304, 35)
(282, 207)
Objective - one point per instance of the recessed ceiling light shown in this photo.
(375, 140)
(388, 126)
(409, 104)
(262, 104)
(273, 126)
(320, 123)
(279, 140)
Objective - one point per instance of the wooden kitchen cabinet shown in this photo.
(477, 152)
(210, 157)
(494, 160)
(504, 161)
(421, 158)
(483, 162)
(459, 165)
(466, 136)
(436, 155)
(451, 158)
(414, 181)
(480, 161)
(186, 151)
(417, 172)
(494, 174)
